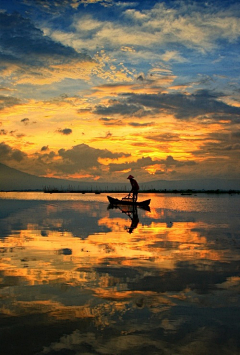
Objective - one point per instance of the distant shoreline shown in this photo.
(174, 191)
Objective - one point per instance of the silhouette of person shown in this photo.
(135, 187)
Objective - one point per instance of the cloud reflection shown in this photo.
(73, 267)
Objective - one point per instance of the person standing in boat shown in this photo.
(135, 187)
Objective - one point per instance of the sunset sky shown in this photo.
(98, 89)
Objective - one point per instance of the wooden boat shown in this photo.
(127, 201)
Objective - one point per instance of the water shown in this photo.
(79, 278)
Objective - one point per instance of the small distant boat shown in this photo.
(127, 201)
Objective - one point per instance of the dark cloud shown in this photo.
(44, 148)
(8, 101)
(147, 161)
(232, 147)
(3, 132)
(123, 108)
(220, 143)
(65, 131)
(26, 45)
(108, 135)
(233, 118)
(137, 124)
(164, 137)
(185, 106)
(25, 121)
(61, 6)
(200, 105)
(45, 158)
(49, 5)
(170, 161)
(7, 153)
(111, 121)
(104, 3)
(81, 159)
(83, 151)
(16, 135)
(84, 158)
(236, 135)
(140, 77)
(143, 162)
(223, 141)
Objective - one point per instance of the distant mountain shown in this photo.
(12, 179)
(196, 184)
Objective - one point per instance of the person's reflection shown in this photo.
(131, 212)
(133, 215)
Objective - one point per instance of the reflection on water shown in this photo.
(132, 213)
(78, 277)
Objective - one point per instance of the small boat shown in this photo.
(127, 201)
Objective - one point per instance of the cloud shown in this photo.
(155, 82)
(3, 132)
(108, 135)
(65, 131)
(6, 89)
(235, 135)
(137, 88)
(83, 159)
(48, 5)
(220, 144)
(85, 156)
(30, 42)
(123, 108)
(44, 148)
(105, 3)
(137, 124)
(147, 97)
(17, 135)
(7, 153)
(25, 121)
(173, 56)
(79, 161)
(200, 104)
(195, 27)
(183, 106)
(140, 163)
(8, 101)
(164, 137)
(28, 55)
(146, 162)
(170, 161)
(111, 121)
(62, 6)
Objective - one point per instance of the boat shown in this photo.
(127, 201)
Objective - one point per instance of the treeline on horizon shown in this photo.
(50, 189)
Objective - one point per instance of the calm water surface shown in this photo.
(78, 277)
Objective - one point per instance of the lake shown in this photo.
(79, 277)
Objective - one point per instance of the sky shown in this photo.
(99, 89)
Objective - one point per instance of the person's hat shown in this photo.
(130, 177)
